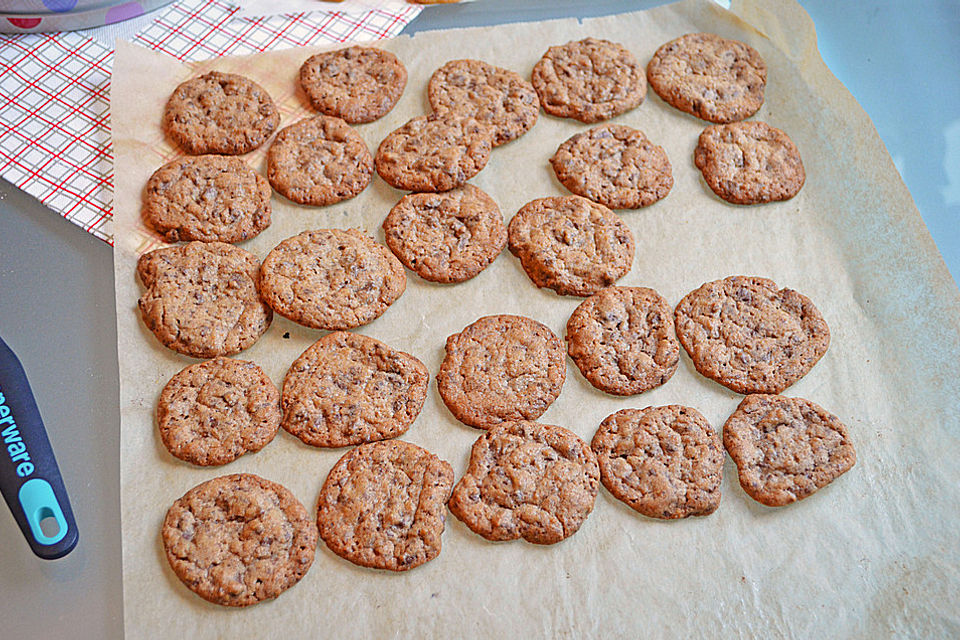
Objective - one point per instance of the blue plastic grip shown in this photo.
(39, 503)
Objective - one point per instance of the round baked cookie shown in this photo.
(207, 198)
(358, 84)
(749, 162)
(622, 340)
(349, 389)
(220, 113)
(748, 336)
(614, 165)
(213, 412)
(589, 80)
(786, 448)
(434, 153)
(494, 96)
(238, 540)
(710, 77)
(664, 462)
(527, 480)
(202, 299)
(501, 368)
(319, 161)
(331, 279)
(571, 245)
(384, 504)
(446, 237)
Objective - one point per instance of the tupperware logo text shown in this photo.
(16, 448)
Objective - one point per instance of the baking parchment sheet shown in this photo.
(873, 554)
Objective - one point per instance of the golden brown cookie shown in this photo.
(501, 368)
(749, 162)
(207, 198)
(434, 153)
(614, 165)
(750, 337)
(358, 84)
(786, 448)
(570, 244)
(349, 389)
(590, 80)
(527, 480)
(494, 96)
(664, 462)
(384, 504)
(319, 161)
(203, 298)
(446, 237)
(622, 339)
(238, 540)
(713, 78)
(331, 279)
(213, 412)
(220, 113)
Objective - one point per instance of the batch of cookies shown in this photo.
(240, 539)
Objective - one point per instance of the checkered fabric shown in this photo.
(54, 92)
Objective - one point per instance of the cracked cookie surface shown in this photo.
(213, 412)
(384, 504)
(331, 279)
(527, 480)
(570, 244)
(358, 84)
(623, 341)
(501, 368)
(712, 78)
(319, 161)
(614, 165)
(348, 389)
(750, 337)
(208, 198)
(220, 113)
(446, 237)
(664, 462)
(786, 448)
(238, 540)
(202, 298)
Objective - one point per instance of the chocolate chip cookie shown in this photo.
(664, 462)
(493, 95)
(331, 279)
(710, 77)
(590, 80)
(207, 198)
(383, 505)
(220, 113)
(434, 153)
(238, 540)
(786, 448)
(446, 237)
(319, 161)
(614, 165)
(501, 368)
(213, 412)
(570, 244)
(349, 389)
(358, 84)
(527, 480)
(748, 336)
(749, 162)
(622, 339)
(203, 298)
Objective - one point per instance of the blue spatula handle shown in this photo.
(29, 477)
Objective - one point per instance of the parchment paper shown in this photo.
(874, 554)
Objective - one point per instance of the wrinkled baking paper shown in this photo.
(872, 555)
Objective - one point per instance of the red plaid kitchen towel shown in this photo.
(54, 92)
